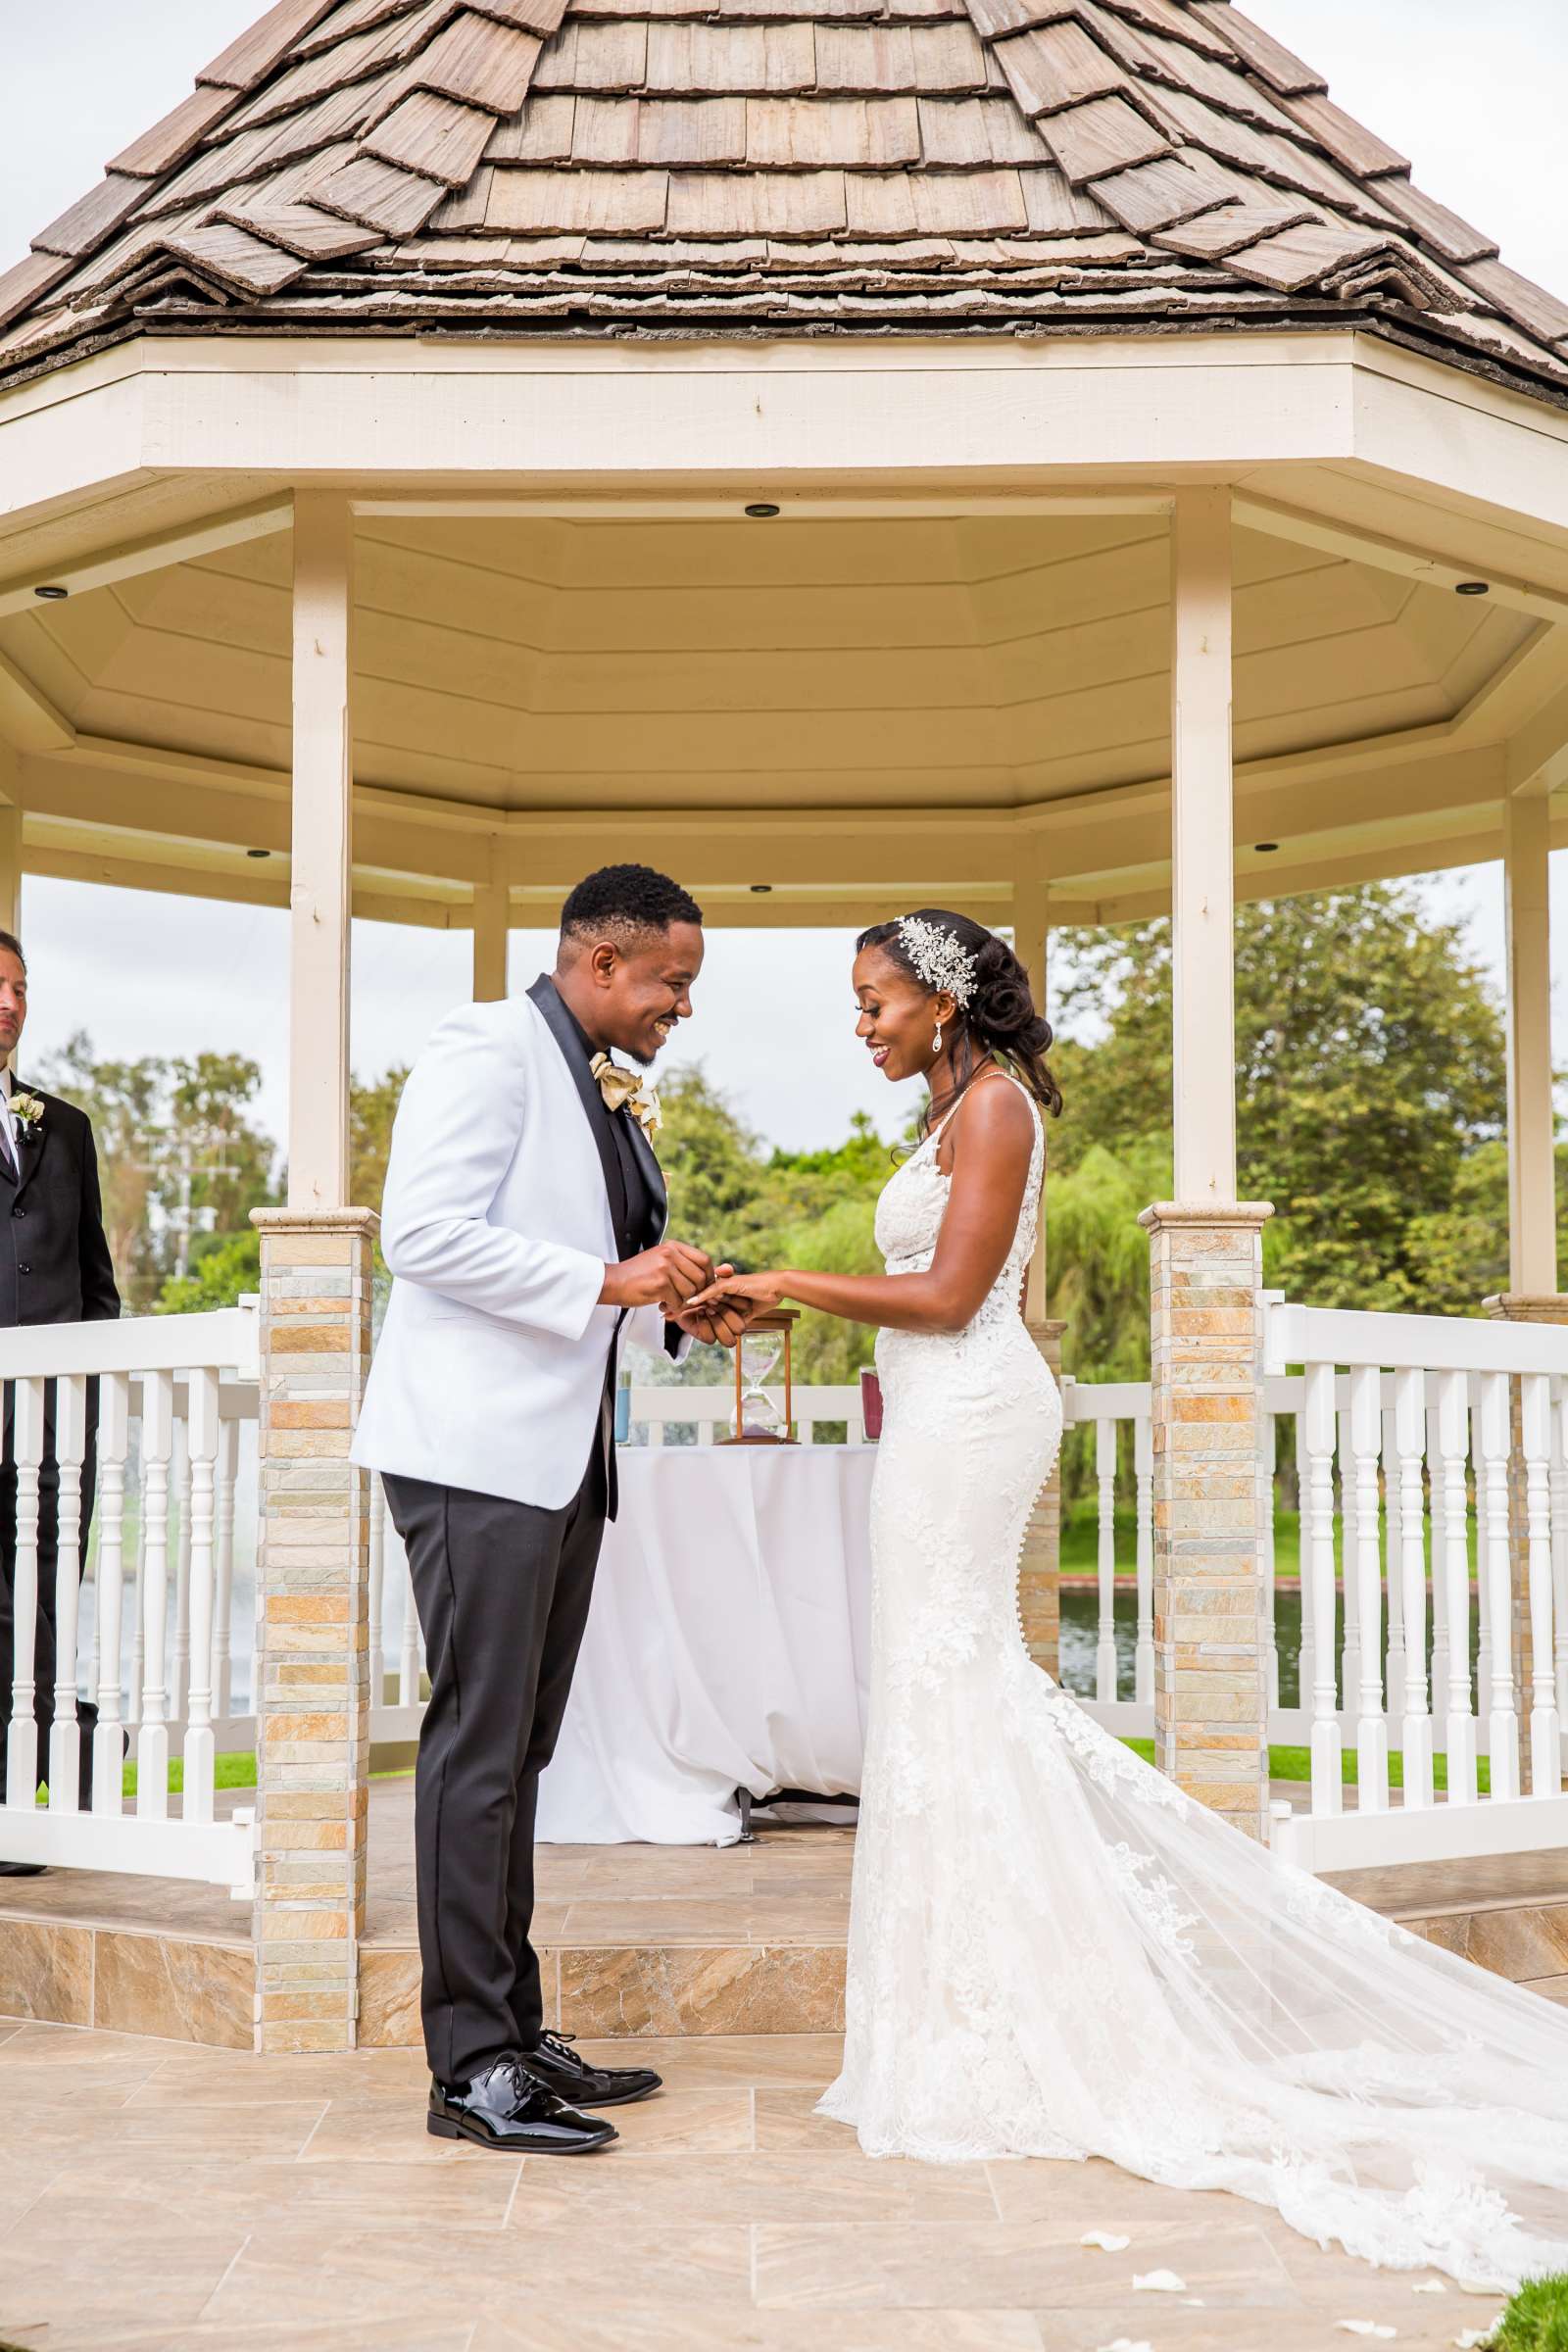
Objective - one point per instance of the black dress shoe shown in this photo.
(23, 1870)
(506, 2107)
(558, 2068)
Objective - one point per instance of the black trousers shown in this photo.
(503, 1592)
(44, 1646)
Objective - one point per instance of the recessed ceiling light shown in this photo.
(258, 853)
(52, 595)
(1265, 849)
(761, 890)
(762, 511)
(1473, 588)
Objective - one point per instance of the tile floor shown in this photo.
(168, 2198)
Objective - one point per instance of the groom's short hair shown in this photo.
(626, 901)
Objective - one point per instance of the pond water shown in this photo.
(1080, 1630)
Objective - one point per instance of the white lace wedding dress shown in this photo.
(1053, 1952)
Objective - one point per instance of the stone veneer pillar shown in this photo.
(1521, 1306)
(1210, 1627)
(313, 1694)
(1040, 1571)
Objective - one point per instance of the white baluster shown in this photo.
(1407, 1576)
(1546, 1724)
(223, 1600)
(1349, 1582)
(808, 1433)
(1265, 1559)
(21, 1739)
(1448, 1474)
(1483, 1589)
(179, 1670)
(71, 1452)
(1328, 1792)
(1503, 1725)
(152, 1739)
(1557, 1480)
(1364, 1566)
(1306, 1662)
(1144, 1466)
(854, 1431)
(377, 1591)
(138, 1643)
(1440, 1596)
(114, 1438)
(201, 1457)
(656, 1433)
(1393, 1540)
(705, 1433)
(409, 1658)
(1105, 1496)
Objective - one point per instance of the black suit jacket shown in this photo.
(55, 1265)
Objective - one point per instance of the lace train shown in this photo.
(1053, 1952)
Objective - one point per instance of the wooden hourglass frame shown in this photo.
(757, 1421)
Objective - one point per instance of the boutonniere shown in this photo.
(27, 1112)
(628, 1090)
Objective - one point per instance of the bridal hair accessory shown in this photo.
(937, 958)
(625, 1090)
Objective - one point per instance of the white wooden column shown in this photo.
(9, 845)
(1532, 1185)
(1202, 849)
(1040, 1570)
(319, 894)
(1211, 1636)
(492, 918)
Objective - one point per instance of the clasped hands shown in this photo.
(688, 1287)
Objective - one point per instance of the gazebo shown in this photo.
(1037, 454)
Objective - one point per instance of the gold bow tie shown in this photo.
(625, 1090)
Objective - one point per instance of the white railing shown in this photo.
(1415, 1414)
(172, 1395)
(1400, 1437)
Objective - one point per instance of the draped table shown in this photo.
(727, 1645)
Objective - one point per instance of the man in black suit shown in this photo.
(54, 1268)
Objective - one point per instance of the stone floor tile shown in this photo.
(739, 2329)
(696, 2122)
(221, 2336)
(1002, 2266)
(222, 2078)
(277, 2129)
(743, 2189)
(788, 2118)
(706, 2061)
(645, 1919)
(349, 2192)
(315, 2273)
(115, 2278)
(1179, 2329)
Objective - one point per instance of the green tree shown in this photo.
(373, 1107)
(224, 1268)
(1369, 1076)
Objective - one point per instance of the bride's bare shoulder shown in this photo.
(993, 1122)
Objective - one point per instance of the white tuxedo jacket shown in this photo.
(497, 1228)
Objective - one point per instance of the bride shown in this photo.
(1053, 1952)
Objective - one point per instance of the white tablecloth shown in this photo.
(727, 1644)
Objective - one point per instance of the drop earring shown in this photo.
(936, 1041)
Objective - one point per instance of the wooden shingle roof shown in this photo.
(696, 167)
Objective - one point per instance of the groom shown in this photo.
(522, 1220)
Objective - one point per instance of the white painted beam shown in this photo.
(492, 919)
(10, 863)
(78, 574)
(1408, 562)
(319, 900)
(1532, 1124)
(1202, 853)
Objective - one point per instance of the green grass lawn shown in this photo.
(230, 1772)
(1536, 2321)
(1080, 1540)
(1296, 1764)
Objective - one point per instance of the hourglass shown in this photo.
(763, 1346)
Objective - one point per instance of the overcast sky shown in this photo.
(1475, 96)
